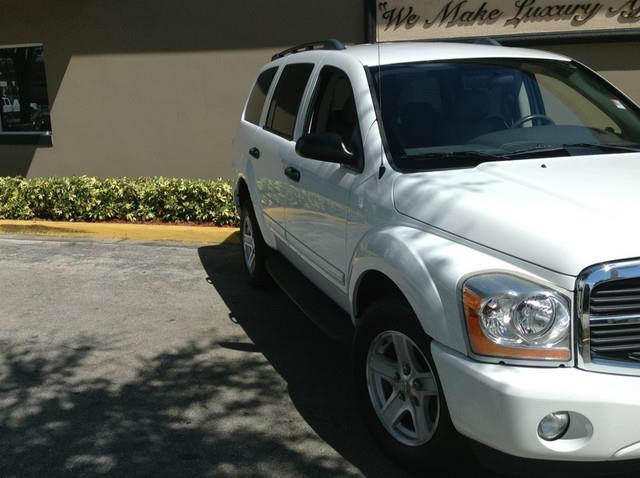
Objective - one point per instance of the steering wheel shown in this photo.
(528, 118)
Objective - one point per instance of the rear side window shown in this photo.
(285, 104)
(259, 95)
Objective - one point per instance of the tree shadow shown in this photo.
(58, 420)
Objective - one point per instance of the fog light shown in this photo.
(554, 426)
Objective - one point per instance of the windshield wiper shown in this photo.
(468, 155)
(568, 147)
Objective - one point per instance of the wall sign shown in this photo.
(433, 19)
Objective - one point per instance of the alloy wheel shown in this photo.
(402, 388)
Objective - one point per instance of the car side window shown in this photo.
(259, 95)
(285, 103)
(334, 109)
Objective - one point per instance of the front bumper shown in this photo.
(501, 407)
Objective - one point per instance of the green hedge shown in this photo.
(134, 200)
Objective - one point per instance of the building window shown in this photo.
(23, 91)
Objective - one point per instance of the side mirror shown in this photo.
(327, 147)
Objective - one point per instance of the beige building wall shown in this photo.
(155, 87)
(618, 62)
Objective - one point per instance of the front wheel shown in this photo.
(398, 389)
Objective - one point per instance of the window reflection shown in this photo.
(23, 90)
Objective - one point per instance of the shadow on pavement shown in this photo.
(315, 368)
(205, 408)
(211, 407)
(53, 423)
(317, 371)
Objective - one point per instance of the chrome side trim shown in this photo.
(589, 279)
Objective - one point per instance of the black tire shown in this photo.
(445, 449)
(256, 269)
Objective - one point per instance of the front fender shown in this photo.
(400, 253)
(429, 270)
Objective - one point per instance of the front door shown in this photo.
(317, 211)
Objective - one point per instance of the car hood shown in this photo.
(563, 214)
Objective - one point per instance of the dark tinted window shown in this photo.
(285, 104)
(24, 104)
(334, 110)
(480, 110)
(259, 95)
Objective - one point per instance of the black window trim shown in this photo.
(34, 138)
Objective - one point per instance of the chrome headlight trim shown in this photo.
(534, 285)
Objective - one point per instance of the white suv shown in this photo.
(468, 211)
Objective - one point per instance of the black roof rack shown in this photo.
(331, 44)
(479, 41)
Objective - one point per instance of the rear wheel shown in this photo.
(398, 389)
(254, 249)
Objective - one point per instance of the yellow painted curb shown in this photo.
(137, 232)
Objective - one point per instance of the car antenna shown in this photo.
(382, 169)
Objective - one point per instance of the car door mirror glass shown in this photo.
(327, 147)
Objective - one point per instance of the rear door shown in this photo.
(274, 143)
(250, 125)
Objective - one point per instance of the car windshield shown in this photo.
(461, 113)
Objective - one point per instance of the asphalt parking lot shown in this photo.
(130, 359)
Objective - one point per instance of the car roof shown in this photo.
(411, 52)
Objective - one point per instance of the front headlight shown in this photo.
(509, 317)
